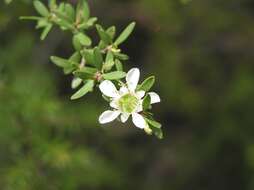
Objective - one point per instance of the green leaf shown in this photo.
(83, 11)
(105, 37)
(121, 56)
(88, 70)
(83, 76)
(68, 70)
(61, 14)
(64, 25)
(114, 75)
(125, 34)
(85, 73)
(83, 39)
(88, 86)
(157, 132)
(29, 18)
(63, 62)
(147, 84)
(61, 7)
(60, 61)
(119, 65)
(88, 24)
(91, 21)
(98, 59)
(52, 4)
(63, 20)
(146, 102)
(156, 128)
(76, 82)
(76, 57)
(46, 31)
(41, 8)
(109, 63)
(42, 23)
(111, 31)
(153, 123)
(70, 11)
(88, 54)
(67, 65)
(110, 56)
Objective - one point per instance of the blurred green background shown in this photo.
(202, 55)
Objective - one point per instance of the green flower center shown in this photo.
(128, 103)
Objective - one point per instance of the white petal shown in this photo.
(155, 98)
(139, 120)
(108, 116)
(124, 117)
(114, 104)
(139, 108)
(132, 78)
(123, 90)
(108, 89)
(140, 94)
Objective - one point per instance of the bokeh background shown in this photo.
(202, 55)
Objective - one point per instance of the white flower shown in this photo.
(127, 101)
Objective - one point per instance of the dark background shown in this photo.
(202, 55)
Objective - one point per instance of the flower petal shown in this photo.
(139, 107)
(155, 98)
(139, 121)
(123, 90)
(108, 116)
(114, 104)
(140, 94)
(108, 89)
(125, 117)
(132, 78)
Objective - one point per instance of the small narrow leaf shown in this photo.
(121, 56)
(88, 54)
(98, 59)
(29, 18)
(41, 8)
(52, 4)
(76, 82)
(46, 31)
(83, 11)
(147, 84)
(60, 61)
(109, 63)
(67, 65)
(83, 39)
(91, 21)
(70, 11)
(88, 86)
(42, 23)
(125, 34)
(146, 103)
(111, 31)
(76, 57)
(157, 132)
(88, 24)
(110, 56)
(114, 75)
(105, 37)
(154, 123)
(89, 70)
(119, 65)
(85, 73)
